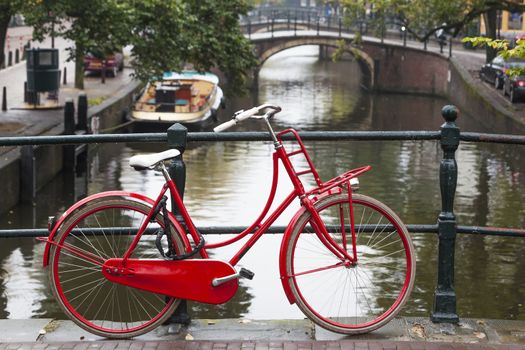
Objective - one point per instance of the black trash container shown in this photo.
(43, 73)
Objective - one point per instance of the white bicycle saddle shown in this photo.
(142, 161)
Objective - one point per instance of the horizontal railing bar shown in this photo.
(77, 139)
(318, 135)
(258, 136)
(211, 136)
(494, 138)
(215, 230)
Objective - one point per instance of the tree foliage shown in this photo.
(169, 34)
(423, 18)
(8, 8)
(164, 35)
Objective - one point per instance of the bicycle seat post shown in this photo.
(164, 171)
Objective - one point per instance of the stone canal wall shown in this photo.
(24, 171)
(399, 69)
(408, 70)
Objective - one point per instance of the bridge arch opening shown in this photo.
(365, 62)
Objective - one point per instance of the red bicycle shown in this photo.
(119, 262)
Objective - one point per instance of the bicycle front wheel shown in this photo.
(351, 298)
(98, 231)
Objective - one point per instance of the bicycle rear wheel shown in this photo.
(345, 298)
(84, 242)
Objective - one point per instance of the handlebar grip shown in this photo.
(224, 126)
(247, 114)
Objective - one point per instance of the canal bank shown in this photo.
(34, 166)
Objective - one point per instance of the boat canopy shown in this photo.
(191, 75)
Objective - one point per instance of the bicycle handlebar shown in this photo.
(224, 126)
(243, 115)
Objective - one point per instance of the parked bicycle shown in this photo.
(119, 262)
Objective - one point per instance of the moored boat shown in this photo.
(189, 97)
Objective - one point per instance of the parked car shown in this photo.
(514, 87)
(514, 41)
(494, 72)
(114, 63)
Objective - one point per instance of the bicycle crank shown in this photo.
(184, 279)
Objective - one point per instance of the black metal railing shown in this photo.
(449, 136)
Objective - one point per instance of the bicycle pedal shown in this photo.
(245, 273)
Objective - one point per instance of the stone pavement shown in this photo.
(240, 334)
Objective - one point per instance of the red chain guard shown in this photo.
(185, 279)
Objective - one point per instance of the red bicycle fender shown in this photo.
(285, 280)
(100, 195)
(282, 256)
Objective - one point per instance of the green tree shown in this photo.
(8, 8)
(164, 35)
(169, 34)
(422, 18)
(95, 25)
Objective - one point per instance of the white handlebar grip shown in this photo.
(225, 126)
(247, 114)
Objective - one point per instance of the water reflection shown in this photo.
(227, 184)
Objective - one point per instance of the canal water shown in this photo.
(227, 184)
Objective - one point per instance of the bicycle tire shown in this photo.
(351, 299)
(97, 305)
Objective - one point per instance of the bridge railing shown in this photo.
(275, 19)
(449, 136)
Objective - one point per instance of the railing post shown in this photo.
(405, 37)
(177, 138)
(444, 309)
(295, 26)
(450, 47)
(273, 23)
(318, 23)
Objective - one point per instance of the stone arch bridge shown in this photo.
(387, 65)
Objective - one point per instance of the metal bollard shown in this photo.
(82, 112)
(444, 308)
(64, 78)
(69, 129)
(4, 99)
(177, 138)
(28, 174)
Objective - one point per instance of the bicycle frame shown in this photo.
(262, 222)
(261, 225)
